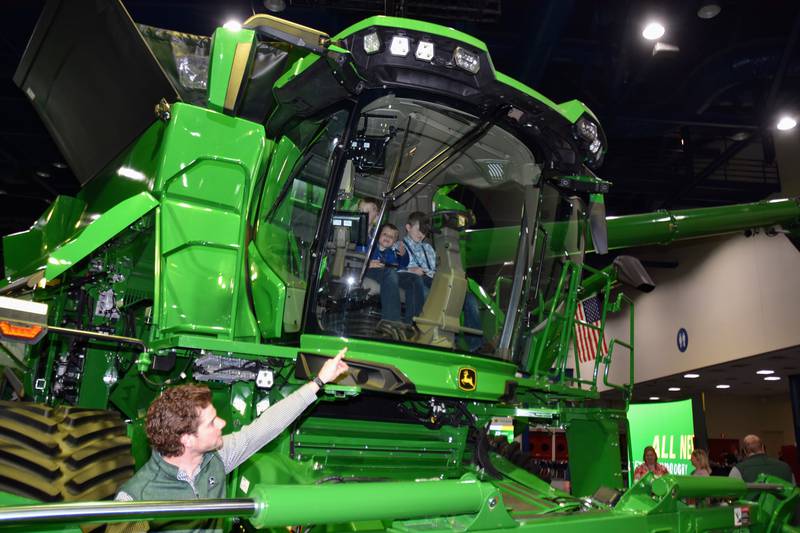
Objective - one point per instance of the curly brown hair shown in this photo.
(175, 413)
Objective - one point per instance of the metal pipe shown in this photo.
(698, 487)
(769, 487)
(663, 227)
(98, 336)
(86, 512)
(348, 502)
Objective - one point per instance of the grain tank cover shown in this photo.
(93, 80)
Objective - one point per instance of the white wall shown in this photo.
(736, 296)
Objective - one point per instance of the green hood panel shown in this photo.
(107, 226)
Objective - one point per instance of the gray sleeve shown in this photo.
(735, 473)
(238, 447)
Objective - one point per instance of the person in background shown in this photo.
(650, 464)
(700, 463)
(757, 462)
(191, 457)
(372, 207)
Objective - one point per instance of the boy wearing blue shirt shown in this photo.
(384, 261)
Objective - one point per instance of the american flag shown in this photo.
(589, 312)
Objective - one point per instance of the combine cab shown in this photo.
(218, 239)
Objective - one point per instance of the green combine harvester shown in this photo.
(217, 239)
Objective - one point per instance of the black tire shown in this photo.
(62, 453)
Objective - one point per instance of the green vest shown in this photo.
(158, 480)
(757, 464)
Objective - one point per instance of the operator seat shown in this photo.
(441, 315)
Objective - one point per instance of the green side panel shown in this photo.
(594, 451)
(414, 25)
(283, 160)
(433, 373)
(223, 50)
(269, 295)
(368, 448)
(27, 251)
(297, 68)
(205, 180)
(494, 246)
(245, 350)
(131, 173)
(99, 232)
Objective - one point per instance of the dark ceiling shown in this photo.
(687, 128)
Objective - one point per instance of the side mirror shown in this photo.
(631, 272)
(597, 223)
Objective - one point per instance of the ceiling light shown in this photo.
(276, 6)
(232, 25)
(708, 9)
(42, 173)
(674, 389)
(59, 165)
(765, 372)
(665, 47)
(786, 123)
(740, 136)
(772, 378)
(653, 31)
(723, 386)
(691, 376)
(424, 51)
(372, 43)
(654, 398)
(399, 46)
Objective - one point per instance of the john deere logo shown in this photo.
(467, 379)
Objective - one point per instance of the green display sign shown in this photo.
(669, 428)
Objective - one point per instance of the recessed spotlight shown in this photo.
(653, 30)
(674, 389)
(772, 378)
(786, 123)
(276, 6)
(232, 25)
(42, 173)
(655, 398)
(59, 164)
(708, 10)
(691, 376)
(765, 372)
(723, 386)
